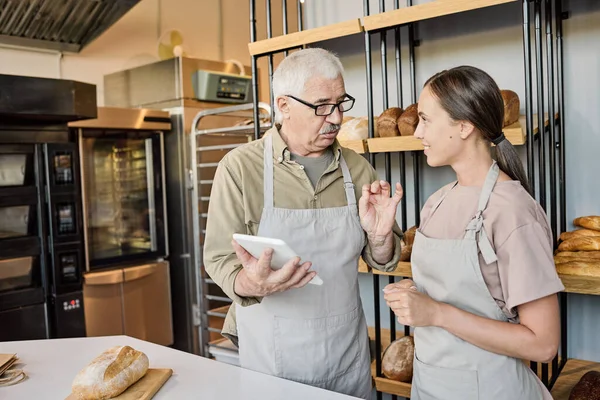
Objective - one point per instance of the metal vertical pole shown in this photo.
(539, 69)
(551, 111)
(254, 71)
(285, 21)
(413, 96)
(269, 36)
(528, 96)
(562, 167)
(300, 18)
(372, 161)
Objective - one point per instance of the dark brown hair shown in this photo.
(469, 94)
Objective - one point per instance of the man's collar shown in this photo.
(280, 148)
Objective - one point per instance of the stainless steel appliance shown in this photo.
(126, 284)
(41, 236)
(169, 85)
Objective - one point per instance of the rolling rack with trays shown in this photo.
(236, 126)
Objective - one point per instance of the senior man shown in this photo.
(297, 184)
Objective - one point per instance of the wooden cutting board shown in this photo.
(145, 388)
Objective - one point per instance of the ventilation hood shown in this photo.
(62, 25)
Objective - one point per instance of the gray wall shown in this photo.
(490, 39)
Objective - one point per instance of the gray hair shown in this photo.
(296, 69)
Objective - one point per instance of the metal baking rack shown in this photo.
(215, 132)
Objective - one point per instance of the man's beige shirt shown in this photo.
(236, 204)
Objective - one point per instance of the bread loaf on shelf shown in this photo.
(588, 387)
(405, 251)
(408, 121)
(578, 233)
(584, 243)
(397, 361)
(590, 222)
(409, 235)
(110, 374)
(512, 107)
(580, 268)
(387, 123)
(581, 255)
(354, 129)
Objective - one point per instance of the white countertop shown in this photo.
(52, 364)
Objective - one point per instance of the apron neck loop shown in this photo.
(268, 172)
(475, 226)
(348, 185)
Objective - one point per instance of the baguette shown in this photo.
(590, 222)
(585, 255)
(110, 374)
(578, 233)
(580, 268)
(580, 244)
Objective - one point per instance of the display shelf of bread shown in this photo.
(298, 39)
(397, 126)
(577, 258)
(578, 380)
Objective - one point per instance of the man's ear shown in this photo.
(466, 129)
(283, 105)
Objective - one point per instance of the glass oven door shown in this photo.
(123, 198)
(20, 227)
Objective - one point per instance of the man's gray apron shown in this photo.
(315, 335)
(445, 366)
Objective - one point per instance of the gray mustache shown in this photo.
(330, 128)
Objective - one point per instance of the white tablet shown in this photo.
(282, 253)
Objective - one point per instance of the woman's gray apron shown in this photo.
(445, 366)
(315, 335)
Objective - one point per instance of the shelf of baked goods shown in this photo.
(576, 377)
(429, 10)
(395, 127)
(297, 39)
(577, 258)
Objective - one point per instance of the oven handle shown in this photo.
(104, 278)
(135, 273)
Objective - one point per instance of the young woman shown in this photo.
(483, 295)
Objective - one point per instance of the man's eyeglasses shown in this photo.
(323, 110)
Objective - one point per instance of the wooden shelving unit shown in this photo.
(425, 11)
(297, 39)
(570, 375)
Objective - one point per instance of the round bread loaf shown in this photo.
(512, 107)
(354, 129)
(397, 361)
(588, 387)
(405, 251)
(387, 123)
(408, 121)
(110, 374)
(579, 268)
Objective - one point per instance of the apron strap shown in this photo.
(475, 226)
(348, 185)
(268, 172)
